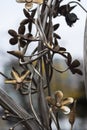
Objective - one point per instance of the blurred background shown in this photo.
(11, 13)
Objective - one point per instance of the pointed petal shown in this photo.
(38, 1)
(25, 75)
(10, 81)
(67, 101)
(50, 100)
(28, 5)
(20, 1)
(15, 74)
(58, 97)
(18, 54)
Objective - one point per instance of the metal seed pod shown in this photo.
(72, 114)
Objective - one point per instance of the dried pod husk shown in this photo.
(12, 33)
(13, 41)
(72, 114)
(58, 96)
(21, 29)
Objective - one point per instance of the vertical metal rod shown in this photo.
(85, 57)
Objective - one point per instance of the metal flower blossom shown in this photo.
(29, 3)
(59, 102)
(18, 80)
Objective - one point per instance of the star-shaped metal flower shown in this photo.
(59, 102)
(18, 79)
(29, 3)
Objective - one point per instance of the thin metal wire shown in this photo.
(85, 57)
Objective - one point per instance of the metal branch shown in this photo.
(8, 103)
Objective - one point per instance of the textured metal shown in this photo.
(9, 104)
(85, 57)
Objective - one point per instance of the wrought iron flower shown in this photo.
(59, 102)
(29, 3)
(17, 79)
(71, 18)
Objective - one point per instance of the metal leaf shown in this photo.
(26, 13)
(69, 59)
(56, 36)
(12, 33)
(13, 41)
(22, 43)
(55, 27)
(78, 71)
(75, 63)
(25, 21)
(21, 29)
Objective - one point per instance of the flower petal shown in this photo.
(50, 100)
(13, 41)
(58, 97)
(10, 81)
(67, 101)
(28, 5)
(38, 1)
(20, 1)
(65, 109)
